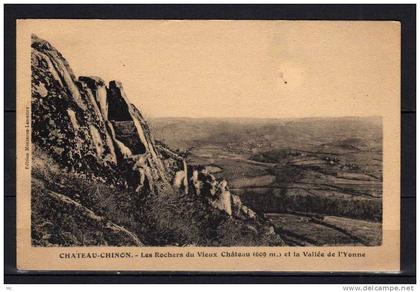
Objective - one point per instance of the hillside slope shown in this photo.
(99, 178)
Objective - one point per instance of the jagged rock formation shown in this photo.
(94, 133)
(87, 126)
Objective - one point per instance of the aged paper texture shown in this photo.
(162, 145)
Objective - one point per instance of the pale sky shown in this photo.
(238, 68)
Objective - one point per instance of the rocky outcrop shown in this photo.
(93, 131)
(217, 193)
(89, 127)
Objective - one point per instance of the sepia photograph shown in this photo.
(218, 134)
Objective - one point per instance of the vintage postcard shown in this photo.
(208, 145)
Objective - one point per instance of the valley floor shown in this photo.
(316, 187)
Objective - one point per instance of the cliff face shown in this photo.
(86, 132)
(87, 126)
